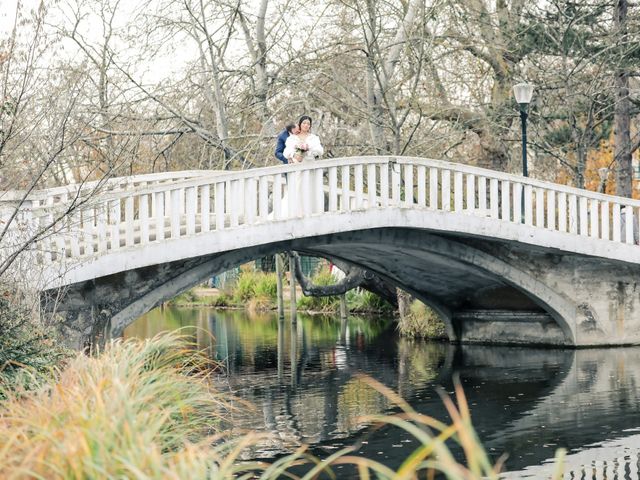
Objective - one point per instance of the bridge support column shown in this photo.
(601, 297)
(507, 327)
(79, 324)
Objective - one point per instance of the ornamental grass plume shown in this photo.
(138, 410)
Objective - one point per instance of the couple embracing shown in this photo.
(297, 144)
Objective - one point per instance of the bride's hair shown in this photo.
(303, 118)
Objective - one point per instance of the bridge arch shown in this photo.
(437, 269)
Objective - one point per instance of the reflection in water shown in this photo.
(615, 459)
(525, 402)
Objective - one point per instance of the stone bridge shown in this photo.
(502, 258)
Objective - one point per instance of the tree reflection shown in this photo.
(525, 402)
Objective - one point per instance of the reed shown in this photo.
(361, 300)
(136, 410)
(421, 322)
(188, 297)
(255, 286)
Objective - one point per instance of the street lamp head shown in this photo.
(523, 93)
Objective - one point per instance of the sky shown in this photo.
(161, 67)
(7, 14)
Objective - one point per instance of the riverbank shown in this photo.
(257, 291)
(358, 302)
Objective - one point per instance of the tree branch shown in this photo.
(354, 277)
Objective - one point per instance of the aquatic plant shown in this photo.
(322, 277)
(421, 322)
(223, 299)
(358, 299)
(259, 287)
(266, 286)
(361, 300)
(188, 297)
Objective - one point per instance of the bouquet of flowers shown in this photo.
(301, 149)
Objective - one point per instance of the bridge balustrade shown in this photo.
(162, 207)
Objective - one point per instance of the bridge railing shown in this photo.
(62, 195)
(157, 211)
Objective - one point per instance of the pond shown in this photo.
(303, 380)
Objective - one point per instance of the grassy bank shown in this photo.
(146, 410)
(422, 322)
(258, 291)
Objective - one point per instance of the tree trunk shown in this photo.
(374, 101)
(279, 273)
(622, 115)
(354, 277)
(404, 303)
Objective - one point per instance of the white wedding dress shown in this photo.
(312, 141)
(294, 179)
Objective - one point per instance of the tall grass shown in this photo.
(320, 304)
(433, 457)
(134, 411)
(360, 300)
(421, 322)
(188, 297)
(257, 290)
(222, 300)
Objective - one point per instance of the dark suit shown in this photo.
(282, 139)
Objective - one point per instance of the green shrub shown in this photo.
(358, 300)
(323, 277)
(361, 300)
(245, 287)
(422, 322)
(188, 297)
(27, 350)
(222, 300)
(255, 286)
(267, 286)
(320, 304)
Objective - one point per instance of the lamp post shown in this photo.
(523, 93)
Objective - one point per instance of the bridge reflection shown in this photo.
(525, 403)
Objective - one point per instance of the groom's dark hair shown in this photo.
(290, 126)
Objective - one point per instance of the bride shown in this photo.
(303, 147)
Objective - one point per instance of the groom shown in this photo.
(290, 129)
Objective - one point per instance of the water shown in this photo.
(525, 402)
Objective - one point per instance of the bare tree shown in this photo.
(622, 117)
